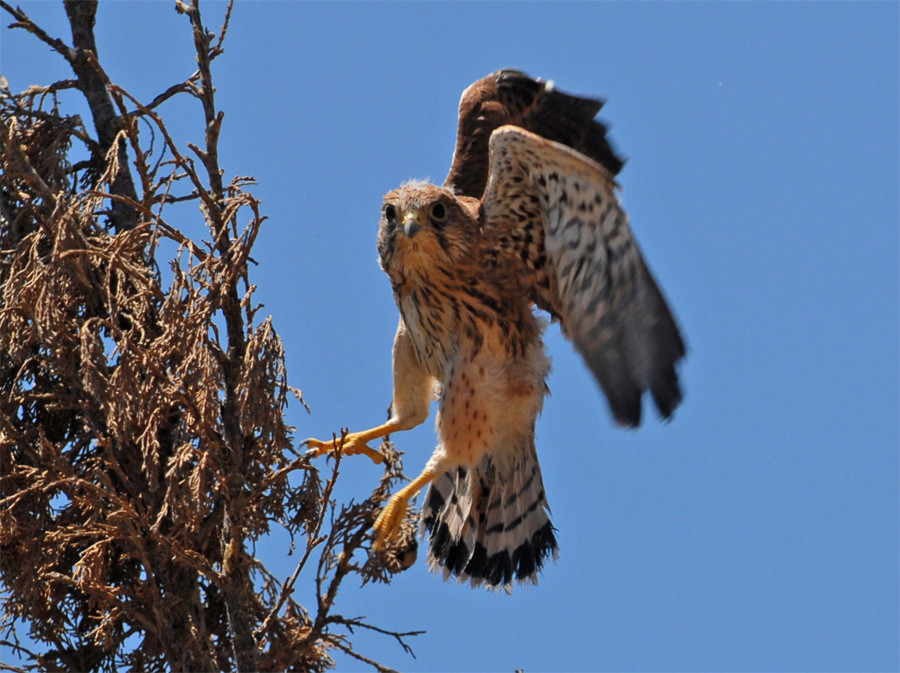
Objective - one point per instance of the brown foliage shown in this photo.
(143, 445)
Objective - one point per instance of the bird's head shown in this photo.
(423, 226)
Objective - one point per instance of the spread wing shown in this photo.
(557, 211)
(512, 97)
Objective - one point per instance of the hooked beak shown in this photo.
(413, 220)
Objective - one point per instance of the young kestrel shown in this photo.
(528, 216)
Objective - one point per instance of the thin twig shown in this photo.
(314, 539)
(25, 22)
(399, 635)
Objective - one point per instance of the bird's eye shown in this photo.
(390, 213)
(438, 212)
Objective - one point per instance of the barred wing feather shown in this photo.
(586, 267)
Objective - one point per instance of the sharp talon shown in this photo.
(318, 448)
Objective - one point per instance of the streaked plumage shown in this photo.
(527, 216)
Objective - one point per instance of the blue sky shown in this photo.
(756, 531)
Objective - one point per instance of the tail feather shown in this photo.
(488, 526)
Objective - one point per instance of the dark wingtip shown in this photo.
(624, 390)
(598, 146)
(626, 409)
(666, 392)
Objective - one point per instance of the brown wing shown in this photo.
(512, 97)
(584, 265)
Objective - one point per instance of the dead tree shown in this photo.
(143, 446)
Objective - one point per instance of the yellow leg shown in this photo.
(354, 443)
(387, 526)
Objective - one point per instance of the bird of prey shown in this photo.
(527, 217)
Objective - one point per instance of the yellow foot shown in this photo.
(353, 444)
(387, 526)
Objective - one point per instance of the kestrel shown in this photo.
(528, 217)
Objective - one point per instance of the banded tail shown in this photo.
(488, 527)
